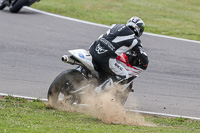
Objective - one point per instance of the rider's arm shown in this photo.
(142, 56)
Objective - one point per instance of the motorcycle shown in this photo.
(16, 5)
(74, 83)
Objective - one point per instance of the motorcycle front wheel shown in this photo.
(64, 84)
(16, 5)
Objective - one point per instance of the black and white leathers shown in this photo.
(118, 39)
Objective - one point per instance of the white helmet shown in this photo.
(137, 25)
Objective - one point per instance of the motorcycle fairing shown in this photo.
(132, 70)
(84, 57)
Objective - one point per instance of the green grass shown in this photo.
(178, 18)
(20, 115)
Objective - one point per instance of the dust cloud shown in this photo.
(105, 107)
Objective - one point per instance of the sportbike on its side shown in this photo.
(73, 83)
(16, 5)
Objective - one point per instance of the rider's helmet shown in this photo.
(137, 25)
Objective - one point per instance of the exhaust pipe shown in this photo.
(67, 59)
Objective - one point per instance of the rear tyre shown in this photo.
(16, 5)
(65, 82)
(2, 6)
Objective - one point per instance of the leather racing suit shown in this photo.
(117, 40)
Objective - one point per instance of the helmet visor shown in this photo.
(141, 30)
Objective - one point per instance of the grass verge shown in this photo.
(178, 18)
(21, 115)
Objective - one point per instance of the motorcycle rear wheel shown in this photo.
(16, 6)
(64, 83)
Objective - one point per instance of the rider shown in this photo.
(119, 39)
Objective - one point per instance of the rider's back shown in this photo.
(120, 37)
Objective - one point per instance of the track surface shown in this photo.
(31, 45)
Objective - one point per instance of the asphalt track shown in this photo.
(32, 43)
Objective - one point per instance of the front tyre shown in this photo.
(16, 5)
(122, 96)
(64, 83)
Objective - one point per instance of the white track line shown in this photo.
(101, 25)
(128, 110)
(105, 26)
(67, 18)
(163, 114)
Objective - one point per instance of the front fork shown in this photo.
(11, 3)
